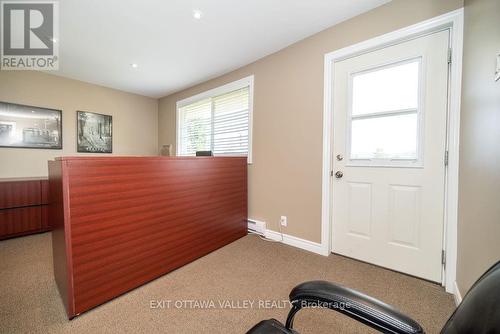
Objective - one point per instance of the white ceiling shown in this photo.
(99, 39)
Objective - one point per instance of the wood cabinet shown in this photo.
(123, 221)
(23, 207)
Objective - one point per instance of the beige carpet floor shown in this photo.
(247, 271)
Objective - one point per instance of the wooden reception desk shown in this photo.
(120, 222)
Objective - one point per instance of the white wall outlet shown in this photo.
(283, 221)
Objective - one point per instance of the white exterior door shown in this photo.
(389, 140)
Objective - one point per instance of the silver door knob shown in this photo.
(340, 157)
(339, 174)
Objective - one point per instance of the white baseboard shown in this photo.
(457, 295)
(296, 242)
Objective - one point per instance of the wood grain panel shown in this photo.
(18, 221)
(61, 237)
(45, 221)
(15, 194)
(44, 187)
(130, 220)
(16, 197)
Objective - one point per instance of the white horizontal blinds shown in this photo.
(218, 124)
(195, 127)
(230, 128)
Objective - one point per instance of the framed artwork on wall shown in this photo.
(94, 132)
(23, 126)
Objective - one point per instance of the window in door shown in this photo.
(384, 123)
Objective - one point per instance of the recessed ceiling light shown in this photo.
(197, 14)
(134, 65)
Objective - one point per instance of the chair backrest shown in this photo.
(479, 311)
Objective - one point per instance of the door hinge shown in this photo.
(443, 258)
(449, 55)
(446, 157)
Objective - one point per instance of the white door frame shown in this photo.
(452, 21)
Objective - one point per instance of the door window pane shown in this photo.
(387, 89)
(387, 137)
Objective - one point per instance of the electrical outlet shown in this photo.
(283, 221)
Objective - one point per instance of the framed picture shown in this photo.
(23, 126)
(94, 132)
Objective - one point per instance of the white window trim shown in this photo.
(232, 86)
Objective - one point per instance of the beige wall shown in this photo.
(135, 129)
(479, 211)
(285, 177)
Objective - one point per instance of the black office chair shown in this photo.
(479, 312)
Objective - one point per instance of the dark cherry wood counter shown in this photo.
(123, 221)
(23, 206)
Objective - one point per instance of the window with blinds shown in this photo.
(218, 123)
